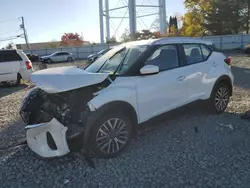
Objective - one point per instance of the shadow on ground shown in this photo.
(7, 90)
(187, 142)
(241, 77)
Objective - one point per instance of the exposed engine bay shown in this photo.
(53, 116)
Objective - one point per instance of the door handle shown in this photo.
(181, 78)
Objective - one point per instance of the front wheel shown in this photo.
(110, 135)
(220, 98)
(49, 61)
(70, 59)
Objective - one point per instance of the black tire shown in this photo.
(31, 106)
(247, 51)
(220, 98)
(49, 61)
(97, 130)
(14, 82)
(70, 59)
(18, 81)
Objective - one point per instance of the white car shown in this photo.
(100, 107)
(14, 66)
(58, 57)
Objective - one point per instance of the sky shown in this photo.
(47, 20)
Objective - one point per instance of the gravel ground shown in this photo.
(184, 148)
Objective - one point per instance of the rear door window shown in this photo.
(193, 53)
(8, 56)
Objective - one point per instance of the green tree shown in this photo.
(194, 19)
(173, 25)
(112, 40)
(11, 45)
(142, 35)
(217, 17)
(192, 25)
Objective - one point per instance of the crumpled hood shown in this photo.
(60, 79)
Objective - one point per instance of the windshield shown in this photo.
(102, 51)
(117, 60)
(53, 54)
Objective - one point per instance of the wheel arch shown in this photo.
(114, 105)
(226, 80)
(19, 75)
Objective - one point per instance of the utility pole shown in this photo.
(24, 33)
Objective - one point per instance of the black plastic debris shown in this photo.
(246, 115)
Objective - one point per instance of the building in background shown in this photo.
(43, 45)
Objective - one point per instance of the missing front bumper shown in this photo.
(36, 136)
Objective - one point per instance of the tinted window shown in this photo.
(59, 54)
(165, 57)
(56, 54)
(193, 53)
(9, 56)
(214, 48)
(205, 51)
(64, 53)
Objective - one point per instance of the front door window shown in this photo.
(165, 58)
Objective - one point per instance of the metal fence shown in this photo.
(229, 42)
(80, 52)
(224, 42)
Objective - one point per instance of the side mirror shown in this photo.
(149, 69)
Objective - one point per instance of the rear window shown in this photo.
(7, 56)
(214, 48)
(205, 51)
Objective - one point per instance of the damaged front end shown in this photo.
(56, 121)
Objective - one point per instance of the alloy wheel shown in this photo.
(112, 136)
(221, 99)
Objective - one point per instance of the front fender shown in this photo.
(122, 89)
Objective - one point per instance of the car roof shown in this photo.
(179, 40)
(167, 40)
(11, 50)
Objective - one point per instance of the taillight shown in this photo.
(28, 65)
(228, 60)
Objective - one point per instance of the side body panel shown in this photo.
(201, 77)
(8, 69)
(24, 72)
(218, 69)
(122, 89)
(161, 92)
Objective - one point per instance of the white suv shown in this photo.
(14, 66)
(98, 108)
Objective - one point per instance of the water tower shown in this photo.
(131, 7)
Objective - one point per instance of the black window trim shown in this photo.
(211, 51)
(134, 70)
(198, 44)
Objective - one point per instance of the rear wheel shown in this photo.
(220, 98)
(15, 82)
(110, 135)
